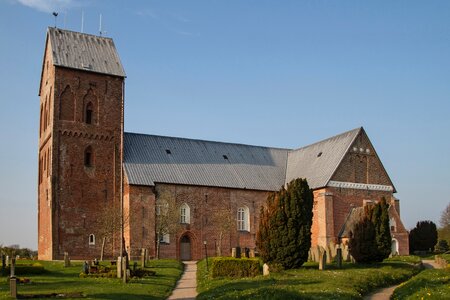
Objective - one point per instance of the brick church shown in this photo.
(89, 166)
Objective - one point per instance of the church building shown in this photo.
(90, 171)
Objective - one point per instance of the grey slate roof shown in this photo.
(204, 163)
(318, 162)
(84, 52)
(197, 162)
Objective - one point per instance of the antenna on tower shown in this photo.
(100, 27)
(82, 21)
(55, 14)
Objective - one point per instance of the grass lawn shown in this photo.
(350, 282)
(429, 284)
(66, 281)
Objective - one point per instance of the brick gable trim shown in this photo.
(360, 186)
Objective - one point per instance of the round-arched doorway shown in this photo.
(185, 248)
(394, 247)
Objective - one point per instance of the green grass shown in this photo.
(350, 282)
(412, 259)
(66, 281)
(429, 284)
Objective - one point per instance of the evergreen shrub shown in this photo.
(235, 267)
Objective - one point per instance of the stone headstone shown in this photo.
(252, 253)
(339, 257)
(7, 261)
(143, 252)
(119, 267)
(66, 260)
(329, 256)
(86, 267)
(13, 287)
(266, 271)
(323, 261)
(233, 252)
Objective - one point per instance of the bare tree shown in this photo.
(445, 217)
(109, 225)
(224, 221)
(167, 216)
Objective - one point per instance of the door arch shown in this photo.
(394, 247)
(185, 248)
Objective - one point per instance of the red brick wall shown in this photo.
(205, 204)
(78, 193)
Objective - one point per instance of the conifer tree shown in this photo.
(284, 235)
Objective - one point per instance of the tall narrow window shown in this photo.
(91, 239)
(89, 113)
(243, 219)
(185, 214)
(41, 121)
(88, 157)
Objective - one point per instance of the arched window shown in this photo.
(243, 218)
(88, 157)
(91, 239)
(89, 113)
(185, 214)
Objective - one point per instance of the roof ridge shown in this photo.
(77, 32)
(324, 140)
(208, 141)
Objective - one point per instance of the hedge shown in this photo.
(235, 267)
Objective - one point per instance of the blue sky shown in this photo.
(271, 73)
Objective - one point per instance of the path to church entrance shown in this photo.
(187, 285)
(386, 293)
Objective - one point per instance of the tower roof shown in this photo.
(84, 52)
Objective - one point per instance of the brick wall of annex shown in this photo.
(206, 205)
(79, 193)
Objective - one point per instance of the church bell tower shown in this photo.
(80, 144)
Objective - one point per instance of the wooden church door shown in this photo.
(185, 248)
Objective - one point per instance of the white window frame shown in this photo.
(91, 239)
(164, 238)
(243, 218)
(185, 214)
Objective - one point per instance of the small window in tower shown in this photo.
(91, 239)
(89, 113)
(88, 157)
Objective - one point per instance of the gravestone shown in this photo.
(7, 261)
(266, 271)
(66, 260)
(143, 252)
(252, 253)
(85, 267)
(339, 257)
(233, 252)
(13, 279)
(323, 261)
(329, 256)
(119, 267)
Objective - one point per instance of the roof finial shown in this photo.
(55, 14)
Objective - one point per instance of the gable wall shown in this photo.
(361, 167)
